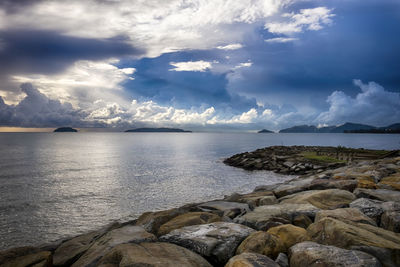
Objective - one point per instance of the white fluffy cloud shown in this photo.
(307, 19)
(372, 105)
(200, 65)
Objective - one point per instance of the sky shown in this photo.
(205, 65)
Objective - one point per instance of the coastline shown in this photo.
(276, 224)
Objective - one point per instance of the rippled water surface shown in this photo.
(54, 185)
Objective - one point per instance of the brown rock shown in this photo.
(123, 235)
(289, 234)
(68, 252)
(152, 254)
(329, 231)
(323, 199)
(310, 254)
(251, 260)
(262, 243)
(392, 181)
(378, 194)
(38, 259)
(151, 221)
(302, 221)
(345, 215)
(186, 219)
(322, 184)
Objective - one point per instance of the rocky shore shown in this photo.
(342, 210)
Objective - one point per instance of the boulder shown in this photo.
(329, 231)
(289, 234)
(255, 199)
(262, 243)
(151, 221)
(393, 181)
(152, 254)
(323, 184)
(371, 208)
(384, 255)
(125, 234)
(293, 186)
(225, 208)
(282, 260)
(251, 260)
(217, 242)
(367, 182)
(345, 215)
(390, 218)
(311, 254)
(69, 251)
(24, 257)
(378, 194)
(323, 199)
(264, 217)
(302, 221)
(187, 219)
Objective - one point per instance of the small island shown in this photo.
(157, 130)
(265, 131)
(65, 130)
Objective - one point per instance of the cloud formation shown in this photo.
(373, 105)
(312, 19)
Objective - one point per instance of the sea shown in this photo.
(58, 185)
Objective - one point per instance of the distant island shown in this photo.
(65, 130)
(265, 131)
(348, 127)
(157, 130)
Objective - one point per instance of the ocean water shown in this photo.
(55, 185)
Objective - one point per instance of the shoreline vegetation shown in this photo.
(342, 208)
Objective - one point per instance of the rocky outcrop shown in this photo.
(217, 242)
(152, 254)
(311, 254)
(251, 260)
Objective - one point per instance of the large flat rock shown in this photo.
(312, 254)
(217, 242)
(225, 208)
(345, 215)
(152, 254)
(264, 217)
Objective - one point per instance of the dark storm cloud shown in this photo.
(12, 6)
(37, 110)
(47, 52)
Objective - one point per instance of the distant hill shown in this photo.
(157, 130)
(65, 130)
(300, 129)
(348, 127)
(265, 131)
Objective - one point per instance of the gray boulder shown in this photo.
(217, 242)
(371, 208)
(126, 234)
(312, 254)
(378, 194)
(264, 217)
(225, 208)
